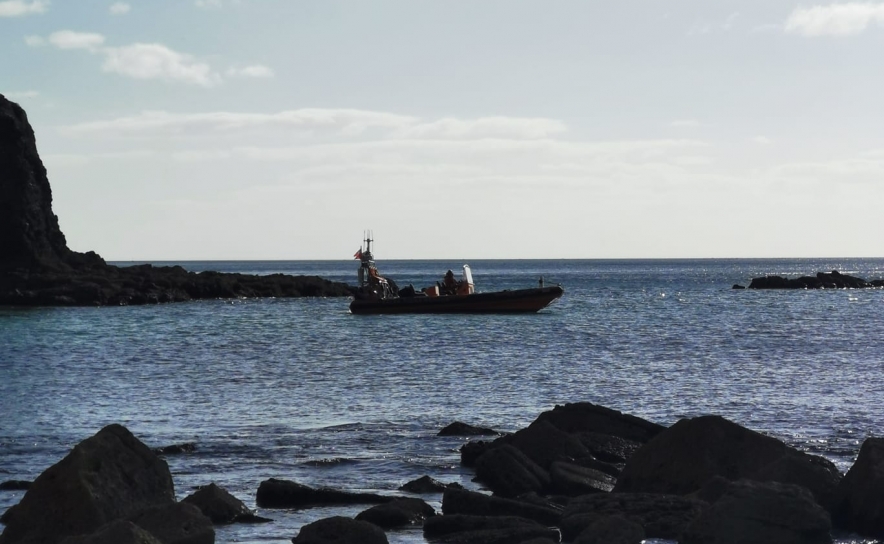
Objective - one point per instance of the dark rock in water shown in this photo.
(833, 280)
(509, 472)
(459, 428)
(611, 530)
(115, 532)
(15, 485)
(176, 523)
(109, 476)
(608, 448)
(397, 513)
(544, 443)
(340, 530)
(471, 451)
(762, 513)
(661, 516)
(685, 456)
(817, 474)
(220, 506)
(859, 501)
(462, 501)
(693, 452)
(582, 417)
(737, 286)
(463, 529)
(38, 269)
(175, 449)
(570, 479)
(425, 484)
(274, 493)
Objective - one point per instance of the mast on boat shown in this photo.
(370, 280)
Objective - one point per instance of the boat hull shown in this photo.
(498, 302)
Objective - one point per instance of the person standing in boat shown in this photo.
(449, 284)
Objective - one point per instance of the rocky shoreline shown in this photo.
(38, 269)
(579, 473)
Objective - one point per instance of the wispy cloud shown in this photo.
(156, 61)
(708, 27)
(255, 70)
(834, 19)
(18, 8)
(119, 8)
(349, 123)
(138, 60)
(19, 95)
(68, 39)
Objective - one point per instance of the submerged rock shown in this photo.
(459, 428)
(425, 484)
(397, 513)
(275, 493)
(220, 506)
(15, 485)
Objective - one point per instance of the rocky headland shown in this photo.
(38, 269)
(579, 473)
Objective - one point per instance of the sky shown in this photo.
(283, 129)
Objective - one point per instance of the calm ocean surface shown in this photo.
(302, 390)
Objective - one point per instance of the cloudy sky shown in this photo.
(281, 129)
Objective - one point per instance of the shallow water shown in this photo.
(300, 389)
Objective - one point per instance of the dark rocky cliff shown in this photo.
(38, 268)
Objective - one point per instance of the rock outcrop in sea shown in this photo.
(38, 269)
(823, 280)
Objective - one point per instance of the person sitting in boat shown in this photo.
(449, 284)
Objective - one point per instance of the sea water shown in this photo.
(301, 389)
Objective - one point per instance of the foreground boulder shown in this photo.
(611, 530)
(116, 532)
(660, 516)
(462, 501)
(109, 476)
(176, 523)
(693, 452)
(275, 493)
(761, 513)
(464, 529)
(340, 530)
(859, 504)
(509, 472)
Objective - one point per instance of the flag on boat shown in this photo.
(358, 254)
